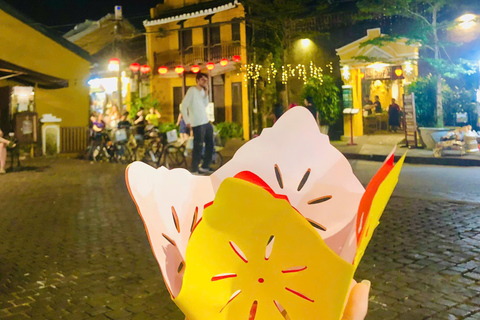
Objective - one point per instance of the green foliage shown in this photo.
(425, 100)
(454, 100)
(228, 130)
(459, 100)
(146, 102)
(168, 126)
(325, 94)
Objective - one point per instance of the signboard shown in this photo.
(347, 92)
(462, 117)
(384, 73)
(211, 112)
(410, 120)
(26, 127)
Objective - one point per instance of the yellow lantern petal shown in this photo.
(253, 253)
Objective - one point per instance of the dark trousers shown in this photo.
(202, 134)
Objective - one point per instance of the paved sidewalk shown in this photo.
(377, 147)
(72, 246)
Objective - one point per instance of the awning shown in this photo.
(29, 77)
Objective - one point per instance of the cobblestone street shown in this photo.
(72, 246)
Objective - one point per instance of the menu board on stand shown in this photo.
(410, 120)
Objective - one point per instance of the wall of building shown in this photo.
(28, 48)
(162, 86)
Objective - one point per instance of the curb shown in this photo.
(417, 160)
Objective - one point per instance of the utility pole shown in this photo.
(118, 18)
(182, 57)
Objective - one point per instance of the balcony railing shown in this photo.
(198, 54)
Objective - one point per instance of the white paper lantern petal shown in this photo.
(170, 202)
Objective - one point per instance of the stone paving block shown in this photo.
(74, 246)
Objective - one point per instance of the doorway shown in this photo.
(237, 105)
(177, 100)
(5, 123)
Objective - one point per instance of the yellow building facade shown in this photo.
(371, 70)
(56, 70)
(189, 33)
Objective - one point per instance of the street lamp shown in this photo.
(305, 43)
(467, 21)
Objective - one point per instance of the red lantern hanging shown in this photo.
(195, 69)
(114, 64)
(179, 69)
(135, 67)
(237, 58)
(145, 68)
(114, 61)
(162, 70)
(210, 66)
(223, 62)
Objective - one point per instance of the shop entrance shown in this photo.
(5, 109)
(377, 96)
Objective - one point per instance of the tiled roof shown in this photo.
(194, 11)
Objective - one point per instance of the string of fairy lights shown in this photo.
(300, 71)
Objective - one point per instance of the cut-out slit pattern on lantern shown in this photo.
(194, 221)
(180, 267)
(299, 294)
(268, 251)
(320, 200)
(169, 240)
(175, 219)
(239, 252)
(234, 295)
(316, 225)
(295, 269)
(224, 276)
(281, 309)
(304, 180)
(278, 174)
(253, 310)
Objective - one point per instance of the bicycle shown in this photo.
(101, 147)
(124, 146)
(157, 152)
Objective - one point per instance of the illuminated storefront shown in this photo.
(104, 94)
(369, 71)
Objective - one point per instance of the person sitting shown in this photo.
(368, 107)
(124, 122)
(153, 117)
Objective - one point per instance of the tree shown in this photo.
(273, 28)
(325, 94)
(429, 28)
(456, 100)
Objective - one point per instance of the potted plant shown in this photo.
(325, 95)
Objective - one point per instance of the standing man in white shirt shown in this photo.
(194, 113)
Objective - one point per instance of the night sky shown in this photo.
(62, 15)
